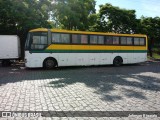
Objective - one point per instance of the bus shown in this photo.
(50, 48)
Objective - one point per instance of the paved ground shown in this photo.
(100, 88)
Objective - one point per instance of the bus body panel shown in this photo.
(81, 59)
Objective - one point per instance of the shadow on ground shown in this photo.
(104, 79)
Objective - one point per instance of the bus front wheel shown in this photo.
(117, 61)
(49, 63)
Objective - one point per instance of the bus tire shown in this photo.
(49, 63)
(118, 61)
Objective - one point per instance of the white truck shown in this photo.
(9, 49)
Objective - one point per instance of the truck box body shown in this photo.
(9, 47)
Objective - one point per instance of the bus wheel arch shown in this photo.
(50, 63)
(118, 61)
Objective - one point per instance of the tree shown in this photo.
(25, 14)
(114, 19)
(18, 17)
(151, 27)
(73, 14)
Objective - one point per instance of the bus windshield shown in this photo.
(36, 41)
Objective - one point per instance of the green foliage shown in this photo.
(151, 27)
(17, 17)
(114, 19)
(74, 14)
(117, 20)
(22, 15)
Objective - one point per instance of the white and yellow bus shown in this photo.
(51, 48)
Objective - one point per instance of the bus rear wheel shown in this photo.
(117, 61)
(49, 63)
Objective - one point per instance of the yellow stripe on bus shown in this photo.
(94, 47)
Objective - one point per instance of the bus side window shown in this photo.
(115, 40)
(129, 40)
(136, 41)
(142, 41)
(76, 39)
(109, 40)
(84, 39)
(65, 38)
(60, 38)
(56, 38)
(100, 39)
(93, 39)
(123, 40)
(96, 39)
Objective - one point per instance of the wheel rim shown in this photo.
(117, 62)
(49, 63)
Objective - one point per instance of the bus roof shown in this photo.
(84, 32)
(39, 30)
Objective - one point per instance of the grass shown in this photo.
(154, 56)
(156, 49)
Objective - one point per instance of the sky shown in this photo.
(147, 8)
